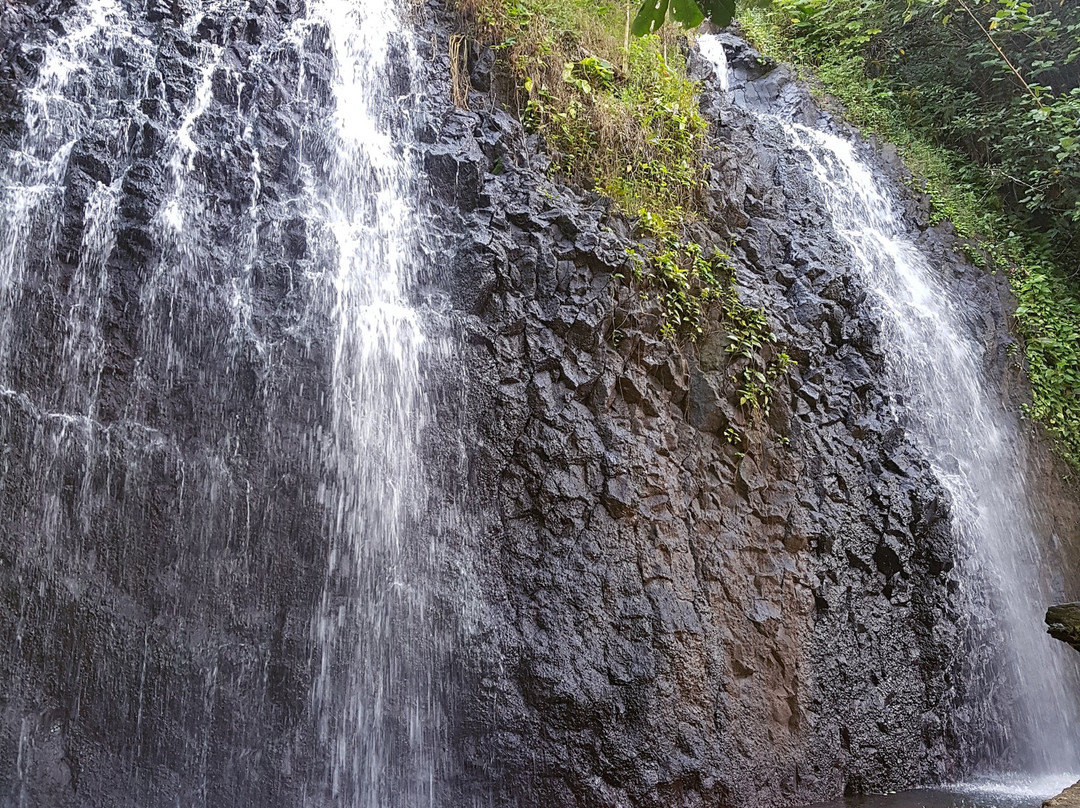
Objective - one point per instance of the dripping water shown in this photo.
(373, 712)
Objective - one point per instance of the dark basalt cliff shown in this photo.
(666, 621)
(644, 617)
(1063, 623)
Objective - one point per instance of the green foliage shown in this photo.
(679, 276)
(1049, 320)
(620, 116)
(689, 13)
(688, 284)
(995, 81)
(985, 109)
(617, 115)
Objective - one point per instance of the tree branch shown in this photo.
(997, 47)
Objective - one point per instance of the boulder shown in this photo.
(1063, 623)
(1070, 797)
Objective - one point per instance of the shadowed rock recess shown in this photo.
(643, 617)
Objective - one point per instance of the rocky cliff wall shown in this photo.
(645, 617)
(668, 620)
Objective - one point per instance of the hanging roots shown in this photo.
(459, 76)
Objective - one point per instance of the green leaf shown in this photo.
(650, 17)
(686, 13)
(720, 12)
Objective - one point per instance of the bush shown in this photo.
(618, 115)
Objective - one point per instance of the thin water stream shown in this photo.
(1021, 707)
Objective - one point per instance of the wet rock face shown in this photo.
(676, 624)
(666, 620)
(161, 544)
(648, 615)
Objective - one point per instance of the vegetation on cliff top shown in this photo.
(619, 115)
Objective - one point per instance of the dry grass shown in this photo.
(459, 76)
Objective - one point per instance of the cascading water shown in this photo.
(185, 445)
(31, 179)
(1020, 704)
(713, 50)
(373, 697)
(976, 450)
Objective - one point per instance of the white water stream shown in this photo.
(978, 453)
(373, 704)
(976, 450)
(374, 698)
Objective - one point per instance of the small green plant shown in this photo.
(679, 275)
(688, 284)
(757, 378)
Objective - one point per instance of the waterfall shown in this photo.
(1020, 700)
(32, 177)
(975, 448)
(373, 697)
(713, 50)
(169, 484)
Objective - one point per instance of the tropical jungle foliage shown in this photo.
(689, 13)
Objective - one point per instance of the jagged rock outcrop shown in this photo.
(1063, 623)
(1069, 798)
(669, 621)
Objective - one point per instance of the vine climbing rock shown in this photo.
(1063, 623)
